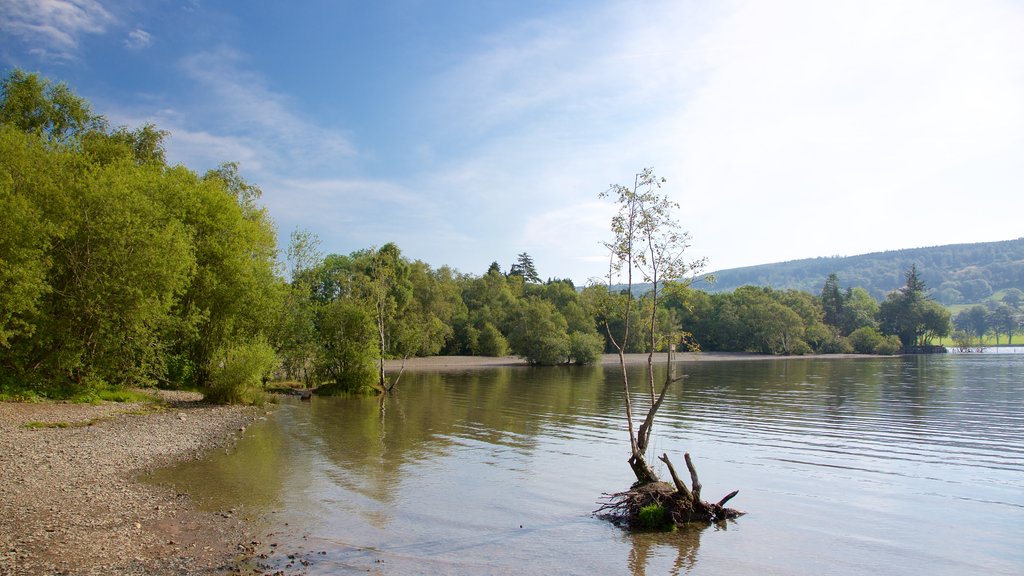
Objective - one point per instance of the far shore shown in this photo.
(458, 363)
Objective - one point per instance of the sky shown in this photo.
(470, 131)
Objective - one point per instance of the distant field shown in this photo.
(1018, 340)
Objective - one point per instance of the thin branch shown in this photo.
(648, 423)
(693, 477)
(675, 477)
(727, 497)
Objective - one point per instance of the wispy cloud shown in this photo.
(550, 114)
(138, 39)
(53, 27)
(237, 102)
(800, 124)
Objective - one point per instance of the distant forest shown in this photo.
(955, 273)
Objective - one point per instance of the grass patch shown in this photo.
(35, 425)
(655, 518)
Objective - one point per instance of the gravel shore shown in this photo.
(70, 501)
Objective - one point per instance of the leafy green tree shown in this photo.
(974, 322)
(427, 324)
(910, 315)
(1005, 320)
(774, 327)
(867, 340)
(348, 346)
(235, 294)
(489, 299)
(120, 269)
(294, 331)
(388, 290)
(859, 310)
(24, 235)
(540, 334)
(1013, 297)
(617, 317)
(491, 341)
(35, 105)
(585, 347)
(647, 240)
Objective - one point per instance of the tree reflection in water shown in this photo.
(650, 545)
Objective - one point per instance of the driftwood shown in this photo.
(681, 503)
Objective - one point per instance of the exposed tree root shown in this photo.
(681, 504)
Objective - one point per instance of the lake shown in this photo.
(898, 465)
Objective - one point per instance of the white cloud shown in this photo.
(848, 127)
(53, 27)
(138, 39)
(239, 103)
(785, 129)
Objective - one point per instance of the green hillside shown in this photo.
(955, 273)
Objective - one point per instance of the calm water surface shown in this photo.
(846, 466)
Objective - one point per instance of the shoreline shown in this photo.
(72, 500)
(458, 363)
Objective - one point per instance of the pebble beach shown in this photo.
(71, 501)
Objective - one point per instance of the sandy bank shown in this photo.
(70, 502)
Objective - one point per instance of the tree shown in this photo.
(1005, 320)
(524, 268)
(832, 302)
(386, 287)
(859, 310)
(491, 341)
(235, 293)
(540, 334)
(120, 270)
(295, 330)
(347, 336)
(1013, 297)
(909, 314)
(35, 105)
(974, 322)
(24, 236)
(648, 240)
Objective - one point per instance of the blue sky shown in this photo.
(470, 131)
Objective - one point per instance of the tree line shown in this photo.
(118, 269)
(995, 319)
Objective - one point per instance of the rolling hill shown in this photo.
(955, 273)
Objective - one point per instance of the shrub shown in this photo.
(888, 346)
(490, 342)
(585, 348)
(238, 378)
(799, 348)
(865, 340)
